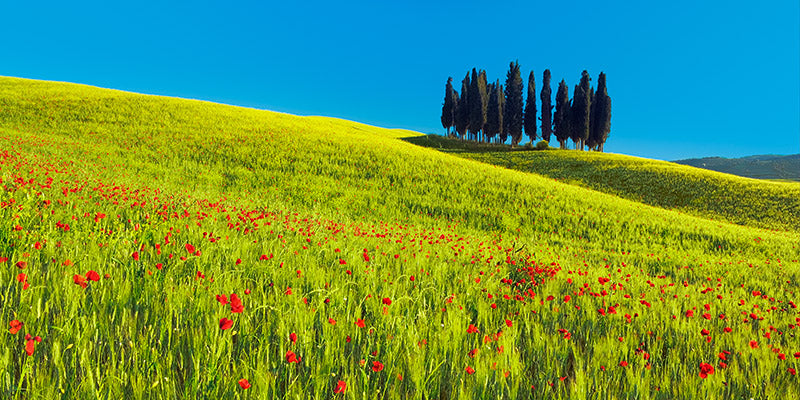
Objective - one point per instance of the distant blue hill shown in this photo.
(766, 166)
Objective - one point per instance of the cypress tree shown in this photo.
(494, 114)
(462, 110)
(572, 117)
(484, 98)
(478, 100)
(591, 141)
(547, 108)
(449, 106)
(601, 113)
(512, 112)
(501, 134)
(492, 127)
(530, 109)
(560, 118)
(581, 103)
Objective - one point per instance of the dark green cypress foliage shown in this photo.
(581, 103)
(490, 129)
(484, 93)
(601, 113)
(512, 112)
(560, 118)
(591, 141)
(573, 115)
(449, 106)
(529, 119)
(502, 136)
(478, 100)
(462, 109)
(547, 108)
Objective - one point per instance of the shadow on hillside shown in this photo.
(454, 145)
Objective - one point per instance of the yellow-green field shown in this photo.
(168, 248)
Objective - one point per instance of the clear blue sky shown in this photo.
(687, 78)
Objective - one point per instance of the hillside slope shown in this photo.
(168, 248)
(764, 204)
(759, 167)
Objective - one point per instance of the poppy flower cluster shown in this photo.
(83, 281)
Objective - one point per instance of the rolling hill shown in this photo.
(155, 247)
(764, 204)
(766, 166)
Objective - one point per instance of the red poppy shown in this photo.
(293, 337)
(222, 299)
(135, 256)
(92, 276)
(341, 386)
(706, 370)
(79, 280)
(236, 304)
(225, 324)
(190, 248)
(470, 370)
(377, 366)
(387, 301)
(22, 277)
(360, 323)
(22, 264)
(792, 371)
(244, 383)
(753, 344)
(331, 321)
(509, 323)
(30, 343)
(623, 363)
(567, 298)
(291, 357)
(472, 329)
(15, 326)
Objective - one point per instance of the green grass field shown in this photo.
(161, 248)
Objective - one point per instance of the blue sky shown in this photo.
(687, 78)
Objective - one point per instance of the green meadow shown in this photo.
(161, 248)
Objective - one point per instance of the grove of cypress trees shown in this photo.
(529, 119)
(449, 106)
(560, 120)
(547, 108)
(512, 112)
